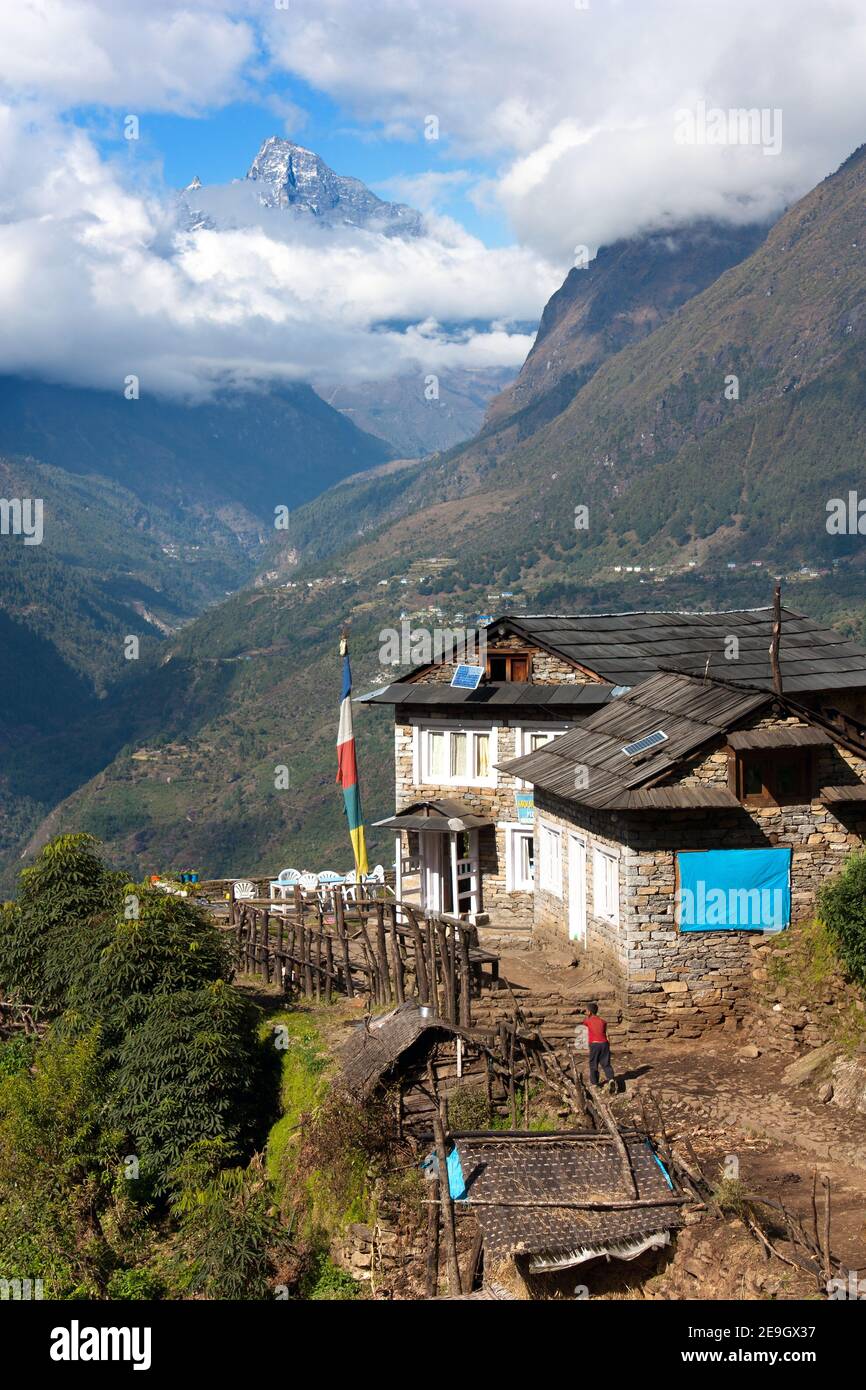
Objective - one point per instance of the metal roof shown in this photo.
(432, 815)
(624, 648)
(408, 694)
(587, 764)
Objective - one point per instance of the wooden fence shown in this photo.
(377, 948)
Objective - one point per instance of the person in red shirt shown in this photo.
(599, 1048)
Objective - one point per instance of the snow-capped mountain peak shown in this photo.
(290, 176)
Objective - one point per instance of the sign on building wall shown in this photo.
(525, 804)
(734, 890)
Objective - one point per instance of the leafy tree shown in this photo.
(61, 894)
(228, 1227)
(842, 906)
(168, 945)
(187, 1071)
(61, 1199)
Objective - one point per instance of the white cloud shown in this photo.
(162, 55)
(578, 106)
(570, 113)
(97, 283)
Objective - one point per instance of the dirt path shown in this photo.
(779, 1134)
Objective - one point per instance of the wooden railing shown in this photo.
(381, 949)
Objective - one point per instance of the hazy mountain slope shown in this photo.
(251, 685)
(400, 412)
(227, 462)
(653, 448)
(152, 511)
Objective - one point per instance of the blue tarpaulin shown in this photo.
(734, 890)
(456, 1181)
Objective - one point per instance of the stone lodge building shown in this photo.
(473, 807)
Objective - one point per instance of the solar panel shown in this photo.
(642, 744)
(467, 677)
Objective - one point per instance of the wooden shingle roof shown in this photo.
(587, 765)
(374, 1048)
(625, 648)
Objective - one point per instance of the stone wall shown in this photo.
(684, 982)
(545, 669)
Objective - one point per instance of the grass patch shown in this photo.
(325, 1281)
(470, 1109)
(304, 1067)
(805, 957)
(806, 962)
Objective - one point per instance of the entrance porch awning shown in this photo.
(443, 816)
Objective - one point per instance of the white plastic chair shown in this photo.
(350, 887)
(244, 889)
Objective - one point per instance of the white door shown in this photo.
(577, 889)
(433, 845)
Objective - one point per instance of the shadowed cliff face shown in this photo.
(619, 298)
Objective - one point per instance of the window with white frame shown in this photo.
(605, 884)
(550, 858)
(519, 859)
(457, 756)
(530, 740)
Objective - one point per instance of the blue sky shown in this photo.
(218, 145)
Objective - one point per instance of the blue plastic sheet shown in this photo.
(734, 890)
(456, 1180)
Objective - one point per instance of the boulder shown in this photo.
(810, 1065)
(849, 1084)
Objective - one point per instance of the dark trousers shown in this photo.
(599, 1056)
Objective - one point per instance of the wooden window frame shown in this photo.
(472, 731)
(515, 832)
(509, 657)
(604, 861)
(768, 759)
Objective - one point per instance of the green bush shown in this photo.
(63, 891)
(228, 1230)
(326, 1281)
(842, 906)
(187, 1071)
(59, 1172)
(129, 1284)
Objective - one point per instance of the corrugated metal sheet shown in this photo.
(409, 694)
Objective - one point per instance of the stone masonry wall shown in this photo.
(545, 669)
(684, 982)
